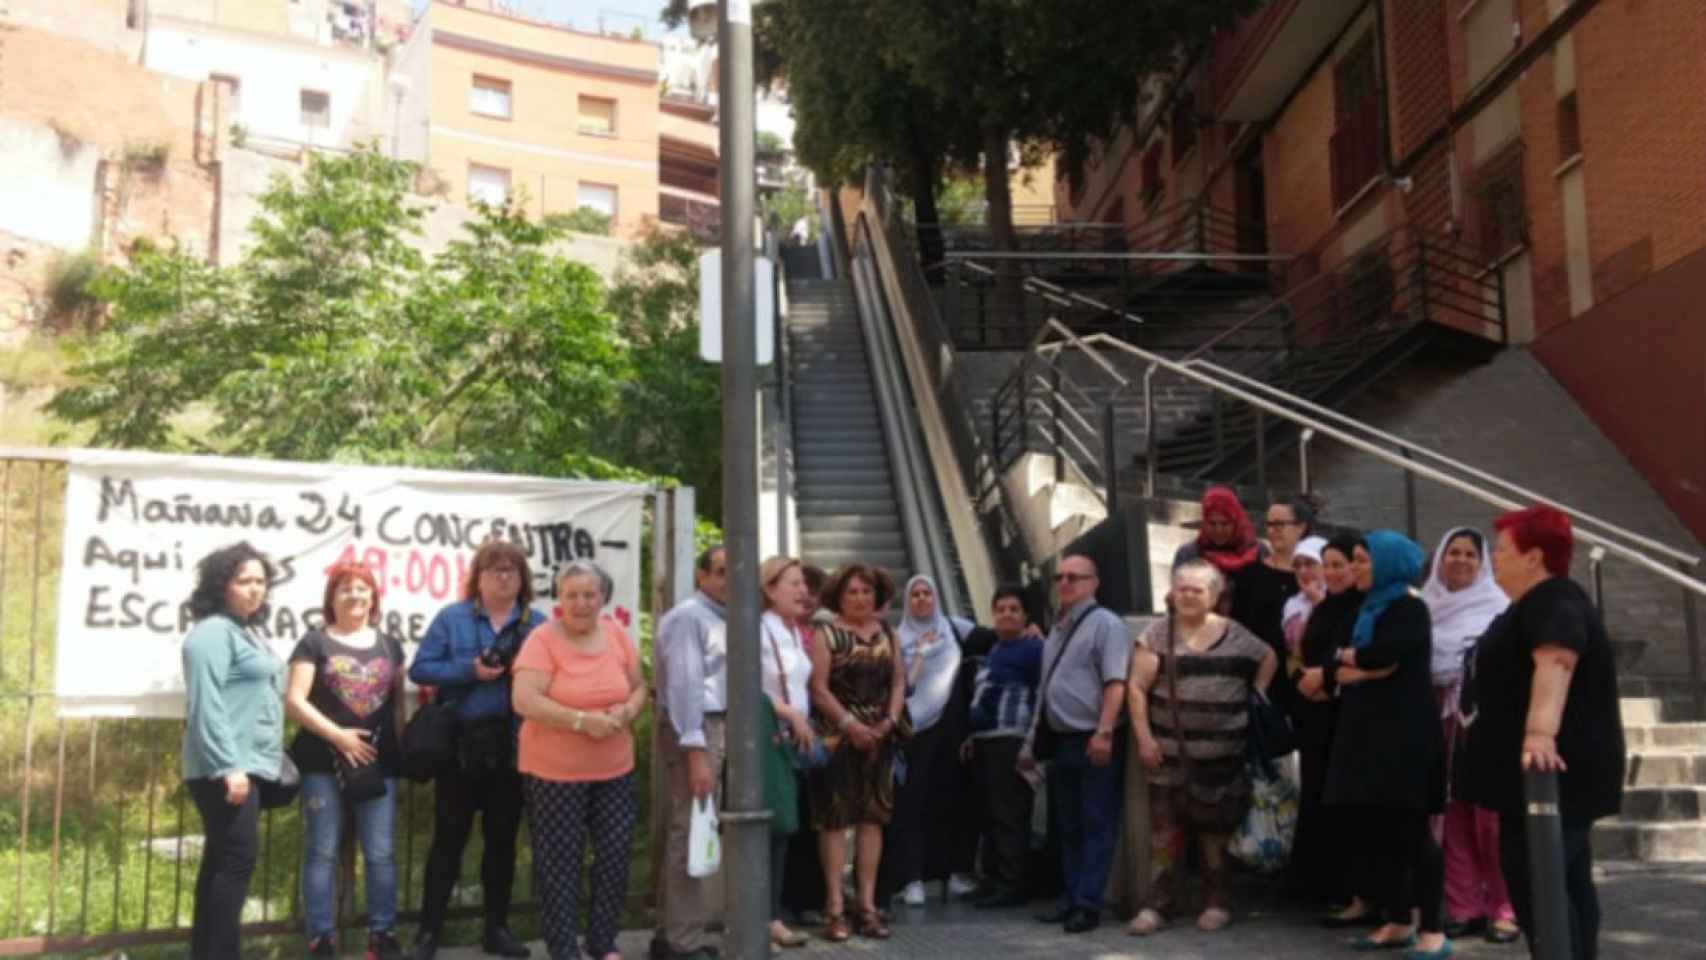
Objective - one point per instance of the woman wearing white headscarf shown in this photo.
(1462, 600)
(930, 648)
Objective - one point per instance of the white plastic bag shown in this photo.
(1263, 841)
(704, 843)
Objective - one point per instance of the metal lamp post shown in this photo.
(746, 866)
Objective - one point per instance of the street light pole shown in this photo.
(747, 836)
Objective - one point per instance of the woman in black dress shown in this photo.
(1318, 855)
(1388, 754)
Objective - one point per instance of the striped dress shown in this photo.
(1202, 737)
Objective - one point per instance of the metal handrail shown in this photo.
(1106, 255)
(1577, 516)
(1322, 428)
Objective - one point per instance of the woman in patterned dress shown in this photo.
(859, 696)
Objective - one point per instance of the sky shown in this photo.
(618, 14)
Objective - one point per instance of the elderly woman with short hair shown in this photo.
(578, 686)
(1189, 692)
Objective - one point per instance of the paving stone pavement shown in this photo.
(1651, 912)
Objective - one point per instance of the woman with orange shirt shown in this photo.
(578, 687)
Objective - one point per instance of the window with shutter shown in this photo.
(316, 108)
(1355, 147)
(1184, 123)
(490, 97)
(598, 196)
(488, 185)
(1500, 205)
(597, 116)
(1569, 128)
(1152, 187)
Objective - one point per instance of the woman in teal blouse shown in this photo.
(234, 732)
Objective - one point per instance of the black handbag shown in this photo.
(1045, 743)
(1269, 733)
(429, 741)
(281, 788)
(358, 783)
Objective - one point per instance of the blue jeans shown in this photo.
(323, 811)
(1086, 810)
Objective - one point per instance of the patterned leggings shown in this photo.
(562, 817)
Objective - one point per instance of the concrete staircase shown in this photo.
(842, 481)
(1664, 798)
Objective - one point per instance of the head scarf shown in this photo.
(929, 696)
(1298, 605)
(1243, 549)
(1397, 564)
(1460, 616)
(1309, 549)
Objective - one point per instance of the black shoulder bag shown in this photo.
(1045, 743)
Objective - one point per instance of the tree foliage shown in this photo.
(335, 339)
(933, 84)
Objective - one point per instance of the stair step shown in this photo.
(1668, 768)
(870, 523)
(815, 477)
(1663, 735)
(1664, 803)
(1622, 839)
(883, 507)
(843, 491)
(890, 560)
(1642, 711)
(814, 541)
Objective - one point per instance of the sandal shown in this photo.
(1145, 923)
(1212, 919)
(871, 926)
(788, 939)
(835, 928)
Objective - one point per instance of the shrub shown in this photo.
(70, 297)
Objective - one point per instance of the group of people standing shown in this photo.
(918, 749)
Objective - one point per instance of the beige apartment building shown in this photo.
(557, 117)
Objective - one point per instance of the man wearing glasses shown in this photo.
(1075, 731)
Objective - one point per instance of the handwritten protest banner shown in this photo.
(136, 524)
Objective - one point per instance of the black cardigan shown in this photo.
(1388, 746)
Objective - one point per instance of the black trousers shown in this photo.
(227, 863)
(802, 870)
(1578, 882)
(1410, 872)
(456, 799)
(929, 755)
(1007, 801)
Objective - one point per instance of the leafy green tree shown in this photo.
(784, 207)
(669, 417)
(581, 220)
(333, 339)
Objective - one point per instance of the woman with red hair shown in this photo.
(1545, 699)
(346, 693)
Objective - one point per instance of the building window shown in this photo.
(488, 185)
(1499, 203)
(598, 116)
(598, 196)
(1355, 145)
(490, 98)
(1489, 36)
(1151, 188)
(1184, 124)
(235, 86)
(1569, 128)
(316, 108)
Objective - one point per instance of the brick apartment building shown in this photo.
(1558, 143)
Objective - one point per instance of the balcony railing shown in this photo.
(703, 220)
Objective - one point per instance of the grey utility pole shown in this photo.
(746, 863)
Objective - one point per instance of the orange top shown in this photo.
(580, 681)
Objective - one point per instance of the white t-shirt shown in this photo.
(785, 656)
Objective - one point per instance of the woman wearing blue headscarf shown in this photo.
(1388, 756)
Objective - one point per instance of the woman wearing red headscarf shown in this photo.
(1256, 591)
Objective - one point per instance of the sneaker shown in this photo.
(383, 945)
(913, 894)
(324, 945)
(960, 885)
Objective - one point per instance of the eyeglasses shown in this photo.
(1072, 577)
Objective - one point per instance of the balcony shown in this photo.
(1258, 63)
(704, 220)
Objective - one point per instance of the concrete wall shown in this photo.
(48, 193)
(272, 74)
(1512, 418)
